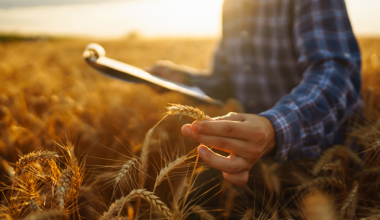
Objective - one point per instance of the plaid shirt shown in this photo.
(297, 58)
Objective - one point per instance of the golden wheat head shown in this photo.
(125, 169)
(64, 185)
(34, 157)
(184, 110)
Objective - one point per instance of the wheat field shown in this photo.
(75, 144)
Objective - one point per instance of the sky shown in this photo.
(116, 18)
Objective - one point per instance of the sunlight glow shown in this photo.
(115, 19)
(149, 17)
(364, 16)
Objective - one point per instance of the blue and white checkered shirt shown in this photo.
(297, 58)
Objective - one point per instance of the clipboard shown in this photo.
(95, 56)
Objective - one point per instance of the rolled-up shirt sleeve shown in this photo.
(308, 119)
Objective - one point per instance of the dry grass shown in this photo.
(91, 147)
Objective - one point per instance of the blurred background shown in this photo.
(49, 96)
(150, 18)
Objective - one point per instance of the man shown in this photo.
(297, 58)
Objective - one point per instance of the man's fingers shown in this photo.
(230, 145)
(233, 164)
(239, 179)
(232, 129)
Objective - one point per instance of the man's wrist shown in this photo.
(270, 146)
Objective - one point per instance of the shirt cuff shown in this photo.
(285, 123)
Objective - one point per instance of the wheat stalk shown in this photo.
(184, 110)
(144, 162)
(64, 185)
(34, 157)
(31, 195)
(196, 113)
(49, 181)
(144, 157)
(76, 176)
(164, 173)
(125, 169)
(171, 166)
(76, 170)
(350, 203)
(138, 193)
(203, 214)
(28, 192)
(54, 170)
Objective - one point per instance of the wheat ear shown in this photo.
(170, 167)
(203, 214)
(34, 157)
(64, 185)
(184, 110)
(138, 193)
(144, 165)
(55, 171)
(49, 215)
(76, 176)
(329, 154)
(144, 157)
(125, 169)
(350, 203)
(164, 172)
(31, 158)
(325, 158)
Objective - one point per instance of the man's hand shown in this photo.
(167, 70)
(246, 137)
